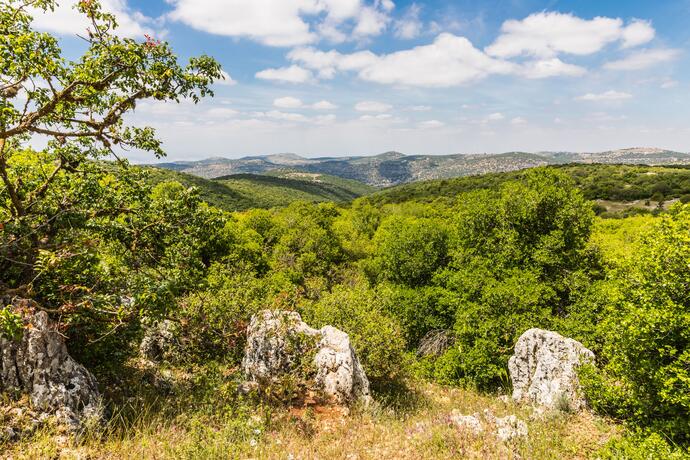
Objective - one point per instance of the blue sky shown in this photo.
(353, 77)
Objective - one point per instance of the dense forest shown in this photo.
(434, 282)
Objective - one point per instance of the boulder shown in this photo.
(544, 370)
(280, 344)
(39, 365)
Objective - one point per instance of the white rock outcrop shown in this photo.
(39, 365)
(279, 341)
(544, 370)
(505, 428)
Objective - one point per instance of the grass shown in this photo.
(204, 419)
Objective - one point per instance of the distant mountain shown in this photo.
(393, 168)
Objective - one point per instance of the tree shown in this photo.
(79, 107)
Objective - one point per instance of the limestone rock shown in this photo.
(509, 428)
(471, 423)
(544, 369)
(504, 428)
(39, 365)
(278, 342)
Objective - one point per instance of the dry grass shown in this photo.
(406, 425)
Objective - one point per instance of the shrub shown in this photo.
(376, 336)
(409, 250)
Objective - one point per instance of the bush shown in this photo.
(646, 378)
(376, 336)
(409, 250)
(643, 447)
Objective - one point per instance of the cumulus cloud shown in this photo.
(292, 74)
(284, 22)
(637, 33)
(372, 106)
(547, 34)
(324, 105)
(66, 20)
(643, 59)
(610, 95)
(287, 102)
(449, 61)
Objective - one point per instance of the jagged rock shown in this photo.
(38, 364)
(160, 341)
(544, 370)
(279, 343)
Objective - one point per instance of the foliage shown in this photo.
(409, 250)
(60, 210)
(11, 324)
(646, 377)
(376, 336)
(643, 447)
(241, 192)
(596, 181)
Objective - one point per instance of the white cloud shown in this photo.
(324, 105)
(292, 74)
(326, 63)
(283, 22)
(372, 106)
(409, 26)
(610, 95)
(420, 108)
(283, 116)
(431, 124)
(497, 116)
(226, 80)
(553, 67)
(643, 59)
(449, 61)
(66, 20)
(638, 33)
(287, 102)
(518, 121)
(325, 119)
(379, 117)
(547, 34)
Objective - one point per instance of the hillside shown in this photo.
(597, 182)
(393, 168)
(278, 188)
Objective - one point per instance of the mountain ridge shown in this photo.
(394, 168)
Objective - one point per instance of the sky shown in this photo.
(361, 77)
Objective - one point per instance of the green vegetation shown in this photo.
(596, 181)
(240, 192)
(475, 261)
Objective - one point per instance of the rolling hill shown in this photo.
(614, 182)
(278, 188)
(393, 168)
